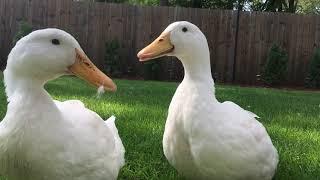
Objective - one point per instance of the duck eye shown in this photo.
(184, 29)
(55, 41)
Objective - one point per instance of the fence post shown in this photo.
(236, 43)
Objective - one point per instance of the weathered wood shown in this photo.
(94, 24)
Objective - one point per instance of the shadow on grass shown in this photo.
(298, 152)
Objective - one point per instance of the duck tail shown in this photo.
(253, 114)
(110, 121)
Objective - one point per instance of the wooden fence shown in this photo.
(94, 24)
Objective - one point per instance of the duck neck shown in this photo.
(197, 73)
(25, 90)
(197, 68)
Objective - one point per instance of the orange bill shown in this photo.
(158, 48)
(85, 69)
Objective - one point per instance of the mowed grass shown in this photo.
(292, 119)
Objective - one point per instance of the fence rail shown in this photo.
(94, 24)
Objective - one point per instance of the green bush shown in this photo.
(24, 29)
(152, 70)
(112, 59)
(275, 69)
(313, 79)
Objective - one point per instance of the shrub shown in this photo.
(112, 59)
(152, 70)
(313, 79)
(275, 69)
(24, 29)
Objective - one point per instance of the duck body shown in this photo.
(84, 148)
(203, 138)
(206, 139)
(43, 139)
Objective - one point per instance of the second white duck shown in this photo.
(203, 138)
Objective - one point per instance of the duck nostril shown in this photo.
(160, 40)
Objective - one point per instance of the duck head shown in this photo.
(49, 53)
(181, 39)
(185, 41)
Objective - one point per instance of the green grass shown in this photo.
(292, 119)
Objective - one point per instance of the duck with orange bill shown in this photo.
(204, 138)
(41, 138)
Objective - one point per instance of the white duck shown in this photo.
(203, 138)
(43, 139)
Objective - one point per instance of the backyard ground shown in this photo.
(292, 119)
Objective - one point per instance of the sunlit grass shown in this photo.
(291, 117)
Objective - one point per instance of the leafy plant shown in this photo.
(24, 29)
(275, 69)
(152, 70)
(112, 59)
(313, 79)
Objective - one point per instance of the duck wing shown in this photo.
(99, 142)
(110, 122)
(229, 143)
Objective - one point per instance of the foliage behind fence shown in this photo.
(95, 24)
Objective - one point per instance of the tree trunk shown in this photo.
(197, 3)
(240, 5)
(164, 2)
(292, 6)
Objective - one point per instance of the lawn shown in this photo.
(292, 119)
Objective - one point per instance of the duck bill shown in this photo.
(158, 48)
(85, 69)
